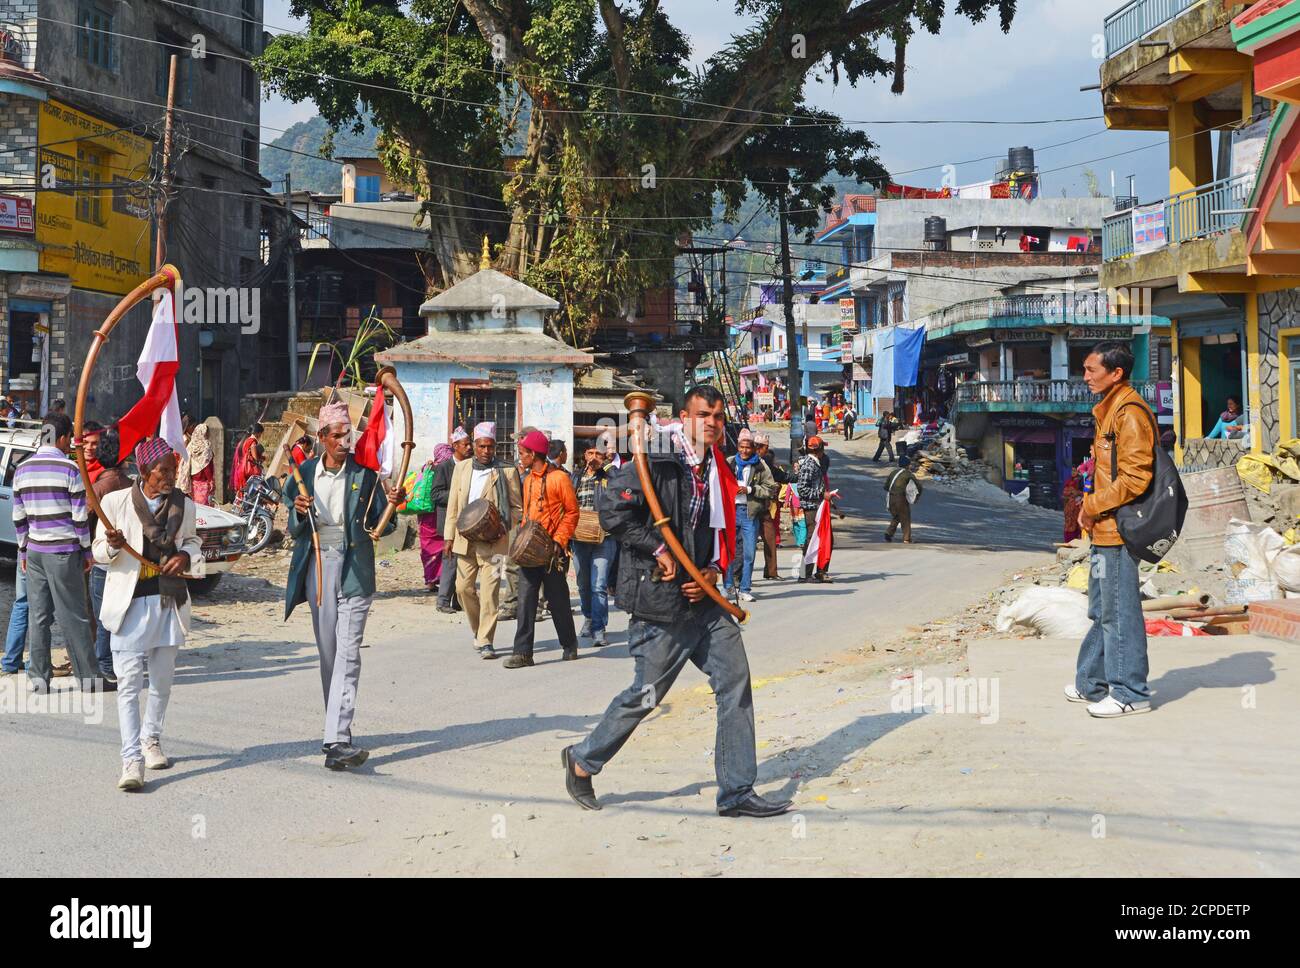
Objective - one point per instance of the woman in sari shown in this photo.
(431, 540)
(202, 470)
(247, 462)
(1072, 494)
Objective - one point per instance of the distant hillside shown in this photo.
(316, 174)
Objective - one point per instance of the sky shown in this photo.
(967, 72)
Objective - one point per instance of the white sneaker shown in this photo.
(1112, 708)
(1074, 695)
(746, 597)
(132, 776)
(154, 757)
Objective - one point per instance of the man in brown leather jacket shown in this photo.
(1112, 667)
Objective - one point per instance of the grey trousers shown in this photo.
(339, 624)
(56, 589)
(447, 581)
(709, 638)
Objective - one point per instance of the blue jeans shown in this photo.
(746, 544)
(708, 637)
(1113, 656)
(593, 561)
(103, 638)
(16, 639)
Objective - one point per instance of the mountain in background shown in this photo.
(309, 170)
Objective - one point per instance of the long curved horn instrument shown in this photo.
(387, 378)
(167, 277)
(639, 405)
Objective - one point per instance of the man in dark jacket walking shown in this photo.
(885, 430)
(673, 619)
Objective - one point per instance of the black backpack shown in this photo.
(1151, 524)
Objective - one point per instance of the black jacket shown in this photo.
(625, 514)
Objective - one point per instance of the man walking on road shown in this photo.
(769, 528)
(591, 558)
(673, 620)
(1112, 667)
(53, 533)
(146, 608)
(850, 418)
(548, 499)
(812, 488)
(902, 490)
(480, 566)
(340, 493)
(754, 489)
(885, 429)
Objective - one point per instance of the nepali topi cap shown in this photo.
(333, 413)
(459, 434)
(150, 452)
(486, 430)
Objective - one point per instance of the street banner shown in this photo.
(1149, 228)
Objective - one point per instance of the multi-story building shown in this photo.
(1217, 254)
(83, 89)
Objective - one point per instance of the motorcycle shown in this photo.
(257, 506)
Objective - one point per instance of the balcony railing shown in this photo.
(1137, 18)
(1039, 391)
(1058, 308)
(1194, 214)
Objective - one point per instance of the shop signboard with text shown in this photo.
(100, 235)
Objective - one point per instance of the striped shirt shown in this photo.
(50, 505)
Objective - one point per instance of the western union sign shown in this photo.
(98, 235)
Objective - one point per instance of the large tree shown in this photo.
(575, 134)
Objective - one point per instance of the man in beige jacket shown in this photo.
(480, 565)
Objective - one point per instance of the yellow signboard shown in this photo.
(99, 236)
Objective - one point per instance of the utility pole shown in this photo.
(160, 251)
(292, 244)
(791, 338)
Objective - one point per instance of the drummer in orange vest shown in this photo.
(549, 499)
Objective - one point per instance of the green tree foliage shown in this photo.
(614, 148)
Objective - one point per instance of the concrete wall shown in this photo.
(900, 223)
(546, 400)
(1277, 311)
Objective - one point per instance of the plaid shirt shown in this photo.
(699, 477)
(812, 480)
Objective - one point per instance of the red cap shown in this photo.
(814, 442)
(536, 441)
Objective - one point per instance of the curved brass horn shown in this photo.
(168, 276)
(639, 405)
(387, 378)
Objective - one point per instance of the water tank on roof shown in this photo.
(1020, 159)
(936, 232)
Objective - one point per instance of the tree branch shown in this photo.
(614, 25)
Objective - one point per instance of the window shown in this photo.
(367, 188)
(248, 149)
(473, 405)
(95, 40)
(90, 171)
(249, 25)
(250, 215)
(249, 83)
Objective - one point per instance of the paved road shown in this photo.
(464, 765)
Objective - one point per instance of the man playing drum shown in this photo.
(487, 493)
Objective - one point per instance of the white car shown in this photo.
(221, 532)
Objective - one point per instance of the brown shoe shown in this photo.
(61, 671)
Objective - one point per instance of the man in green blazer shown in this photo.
(341, 494)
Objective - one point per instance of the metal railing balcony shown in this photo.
(1055, 308)
(1039, 391)
(1137, 18)
(1194, 214)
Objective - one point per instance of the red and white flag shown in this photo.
(820, 542)
(374, 448)
(159, 410)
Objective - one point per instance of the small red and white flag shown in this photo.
(374, 448)
(159, 410)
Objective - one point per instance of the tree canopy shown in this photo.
(576, 135)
